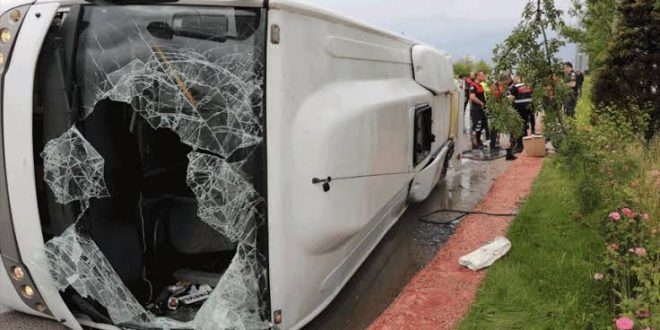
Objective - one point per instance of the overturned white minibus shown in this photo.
(206, 164)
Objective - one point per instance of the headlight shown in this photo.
(10, 22)
(18, 273)
(5, 36)
(15, 15)
(27, 291)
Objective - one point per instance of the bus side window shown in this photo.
(423, 137)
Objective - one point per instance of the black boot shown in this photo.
(519, 145)
(509, 154)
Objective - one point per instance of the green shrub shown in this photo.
(600, 158)
(613, 167)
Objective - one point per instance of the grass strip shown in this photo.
(546, 281)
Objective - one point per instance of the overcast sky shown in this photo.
(461, 27)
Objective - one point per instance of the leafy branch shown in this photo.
(531, 52)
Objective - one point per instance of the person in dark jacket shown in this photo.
(579, 80)
(522, 96)
(477, 110)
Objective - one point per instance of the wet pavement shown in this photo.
(407, 248)
(18, 321)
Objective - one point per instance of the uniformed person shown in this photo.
(477, 110)
(522, 96)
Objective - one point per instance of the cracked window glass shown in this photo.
(76, 261)
(73, 169)
(162, 113)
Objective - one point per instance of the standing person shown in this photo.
(521, 95)
(477, 110)
(571, 83)
(490, 134)
(579, 80)
(468, 81)
(501, 92)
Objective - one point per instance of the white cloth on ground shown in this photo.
(486, 255)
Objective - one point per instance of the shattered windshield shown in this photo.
(149, 130)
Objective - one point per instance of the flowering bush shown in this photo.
(613, 166)
(632, 267)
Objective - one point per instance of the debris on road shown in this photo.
(486, 255)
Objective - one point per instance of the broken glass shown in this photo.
(235, 303)
(210, 93)
(226, 200)
(76, 261)
(73, 169)
(207, 102)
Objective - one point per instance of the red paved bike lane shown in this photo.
(440, 295)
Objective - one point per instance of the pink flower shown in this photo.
(655, 173)
(599, 276)
(645, 216)
(624, 323)
(640, 251)
(615, 216)
(613, 247)
(628, 212)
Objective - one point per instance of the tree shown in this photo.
(533, 55)
(596, 26)
(628, 81)
(482, 66)
(464, 66)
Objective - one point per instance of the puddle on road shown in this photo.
(407, 248)
(484, 155)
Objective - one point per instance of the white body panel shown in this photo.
(427, 178)
(433, 69)
(340, 103)
(17, 120)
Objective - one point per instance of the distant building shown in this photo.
(581, 62)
